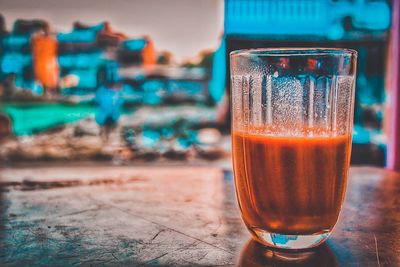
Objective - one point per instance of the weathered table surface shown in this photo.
(113, 216)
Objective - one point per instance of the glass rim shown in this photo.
(294, 51)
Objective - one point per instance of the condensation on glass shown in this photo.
(291, 106)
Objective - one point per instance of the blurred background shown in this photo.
(139, 81)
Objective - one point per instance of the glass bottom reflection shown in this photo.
(283, 241)
(254, 255)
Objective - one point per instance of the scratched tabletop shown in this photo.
(174, 216)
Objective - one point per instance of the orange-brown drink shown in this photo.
(307, 178)
(291, 141)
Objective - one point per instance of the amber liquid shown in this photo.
(290, 185)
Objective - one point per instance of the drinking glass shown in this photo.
(292, 117)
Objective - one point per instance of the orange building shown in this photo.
(149, 53)
(45, 63)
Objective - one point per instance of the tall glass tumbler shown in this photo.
(292, 117)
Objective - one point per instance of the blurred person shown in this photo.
(45, 62)
(108, 99)
(109, 104)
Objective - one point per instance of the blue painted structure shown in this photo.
(304, 17)
(217, 84)
(360, 24)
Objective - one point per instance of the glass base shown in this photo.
(284, 241)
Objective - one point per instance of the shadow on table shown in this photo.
(255, 255)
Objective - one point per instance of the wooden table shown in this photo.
(179, 216)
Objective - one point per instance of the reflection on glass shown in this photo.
(255, 255)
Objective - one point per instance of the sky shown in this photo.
(183, 27)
